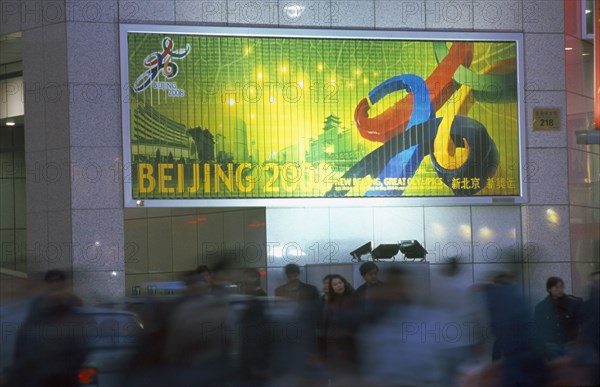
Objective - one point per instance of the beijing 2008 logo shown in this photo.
(162, 62)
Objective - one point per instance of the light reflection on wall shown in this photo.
(465, 230)
(438, 229)
(552, 217)
(485, 233)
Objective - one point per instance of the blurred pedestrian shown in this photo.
(250, 284)
(590, 332)
(399, 346)
(200, 335)
(150, 366)
(461, 309)
(521, 365)
(591, 314)
(322, 333)
(50, 346)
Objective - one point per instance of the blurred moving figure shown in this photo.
(557, 320)
(250, 284)
(198, 342)
(201, 280)
(207, 336)
(463, 320)
(398, 345)
(591, 313)
(521, 364)
(590, 331)
(322, 329)
(150, 366)
(188, 339)
(50, 346)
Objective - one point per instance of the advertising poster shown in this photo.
(252, 117)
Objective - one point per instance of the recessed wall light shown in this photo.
(293, 11)
(10, 123)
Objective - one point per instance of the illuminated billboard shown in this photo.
(226, 116)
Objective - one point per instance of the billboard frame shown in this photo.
(397, 201)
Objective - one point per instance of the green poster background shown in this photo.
(261, 117)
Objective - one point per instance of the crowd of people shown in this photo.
(382, 334)
(378, 334)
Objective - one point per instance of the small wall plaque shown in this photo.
(546, 119)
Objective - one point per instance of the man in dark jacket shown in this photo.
(557, 320)
(294, 288)
(369, 272)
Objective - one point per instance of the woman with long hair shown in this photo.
(340, 343)
(340, 292)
